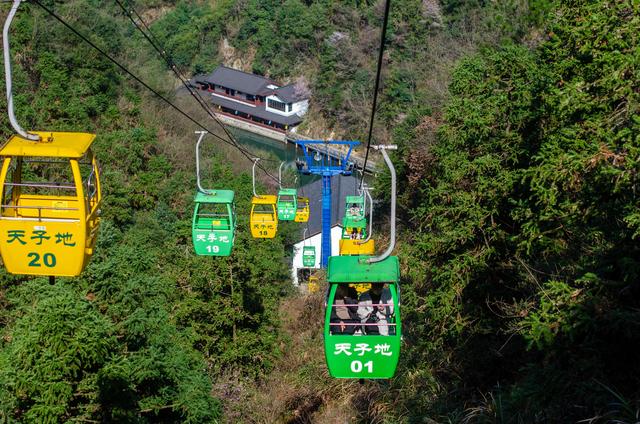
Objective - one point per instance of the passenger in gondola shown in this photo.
(375, 306)
(344, 314)
(352, 292)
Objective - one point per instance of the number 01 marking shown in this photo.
(49, 259)
(356, 366)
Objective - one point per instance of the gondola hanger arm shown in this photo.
(8, 80)
(392, 237)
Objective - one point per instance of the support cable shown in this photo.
(377, 86)
(153, 40)
(137, 79)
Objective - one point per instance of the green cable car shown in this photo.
(214, 223)
(287, 204)
(354, 207)
(309, 256)
(308, 253)
(354, 230)
(354, 223)
(367, 347)
(213, 229)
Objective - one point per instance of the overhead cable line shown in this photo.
(153, 40)
(135, 77)
(383, 36)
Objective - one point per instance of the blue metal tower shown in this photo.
(326, 161)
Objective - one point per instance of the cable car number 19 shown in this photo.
(213, 249)
(357, 366)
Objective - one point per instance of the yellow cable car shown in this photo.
(302, 213)
(49, 223)
(264, 217)
(314, 284)
(361, 287)
(353, 247)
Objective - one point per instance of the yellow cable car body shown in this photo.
(314, 284)
(302, 213)
(353, 247)
(49, 227)
(361, 288)
(264, 216)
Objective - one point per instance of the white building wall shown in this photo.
(316, 241)
(298, 107)
(272, 110)
(301, 107)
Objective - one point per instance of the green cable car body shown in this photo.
(214, 223)
(354, 207)
(309, 256)
(351, 226)
(354, 221)
(287, 204)
(361, 355)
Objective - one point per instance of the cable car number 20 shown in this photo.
(48, 259)
(357, 366)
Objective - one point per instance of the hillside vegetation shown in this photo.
(519, 139)
(141, 335)
(521, 239)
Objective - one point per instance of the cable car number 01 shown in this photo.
(356, 366)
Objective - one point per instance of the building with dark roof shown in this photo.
(253, 98)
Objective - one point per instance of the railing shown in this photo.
(361, 325)
(39, 208)
(233, 98)
(251, 121)
(46, 161)
(49, 184)
(366, 324)
(223, 218)
(331, 151)
(258, 218)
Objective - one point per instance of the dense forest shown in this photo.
(519, 144)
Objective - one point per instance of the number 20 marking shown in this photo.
(356, 366)
(48, 259)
